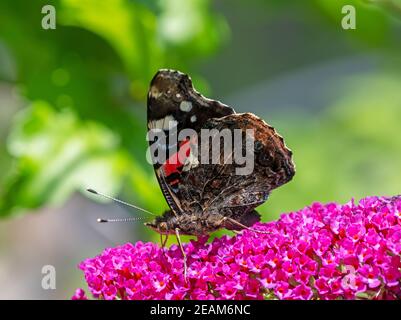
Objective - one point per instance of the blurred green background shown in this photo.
(73, 111)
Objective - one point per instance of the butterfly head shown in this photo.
(162, 224)
(161, 227)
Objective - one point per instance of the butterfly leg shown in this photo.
(177, 234)
(244, 226)
(163, 243)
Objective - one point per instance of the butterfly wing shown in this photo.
(174, 105)
(225, 187)
(191, 185)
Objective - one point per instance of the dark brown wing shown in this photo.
(248, 220)
(191, 185)
(174, 105)
(220, 188)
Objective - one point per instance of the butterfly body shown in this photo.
(205, 196)
(188, 224)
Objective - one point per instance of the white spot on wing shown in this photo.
(154, 92)
(190, 162)
(193, 118)
(185, 106)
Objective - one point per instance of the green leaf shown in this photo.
(56, 154)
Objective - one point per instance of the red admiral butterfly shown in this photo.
(206, 197)
(203, 196)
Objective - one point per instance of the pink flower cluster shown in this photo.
(327, 251)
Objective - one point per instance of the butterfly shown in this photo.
(205, 182)
(206, 196)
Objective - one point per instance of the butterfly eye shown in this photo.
(163, 226)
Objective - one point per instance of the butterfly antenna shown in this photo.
(101, 220)
(119, 201)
